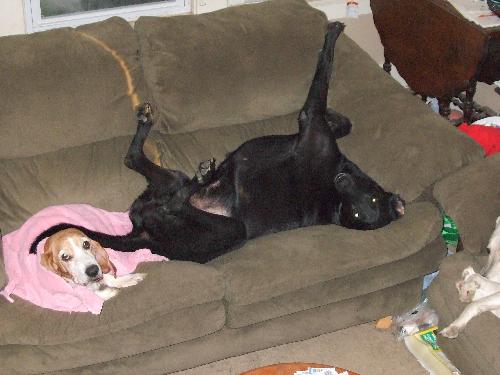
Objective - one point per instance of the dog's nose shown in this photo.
(92, 270)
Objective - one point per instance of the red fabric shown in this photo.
(487, 136)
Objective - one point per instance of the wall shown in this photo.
(11, 17)
(12, 12)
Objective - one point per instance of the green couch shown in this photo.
(216, 80)
(472, 197)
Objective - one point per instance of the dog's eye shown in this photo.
(356, 214)
(374, 200)
(86, 245)
(65, 257)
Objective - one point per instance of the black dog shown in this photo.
(268, 184)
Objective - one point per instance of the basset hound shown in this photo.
(80, 260)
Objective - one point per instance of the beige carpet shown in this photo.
(362, 349)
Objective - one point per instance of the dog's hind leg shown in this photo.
(316, 102)
(473, 282)
(138, 161)
(315, 133)
(339, 124)
(203, 237)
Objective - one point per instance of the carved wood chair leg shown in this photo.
(444, 107)
(469, 101)
(387, 64)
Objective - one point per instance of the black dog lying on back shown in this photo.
(268, 184)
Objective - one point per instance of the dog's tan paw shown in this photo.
(136, 278)
(139, 276)
(467, 272)
(450, 332)
(132, 279)
(107, 293)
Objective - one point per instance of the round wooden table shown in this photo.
(290, 368)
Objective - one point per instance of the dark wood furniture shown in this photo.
(290, 368)
(436, 50)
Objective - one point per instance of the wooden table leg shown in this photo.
(387, 64)
(444, 107)
(469, 101)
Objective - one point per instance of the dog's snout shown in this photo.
(92, 271)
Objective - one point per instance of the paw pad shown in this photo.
(205, 170)
(145, 113)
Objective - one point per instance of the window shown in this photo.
(49, 14)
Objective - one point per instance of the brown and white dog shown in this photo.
(482, 291)
(80, 260)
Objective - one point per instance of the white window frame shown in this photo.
(35, 22)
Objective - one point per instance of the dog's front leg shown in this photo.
(486, 286)
(107, 293)
(137, 160)
(135, 154)
(489, 303)
(123, 281)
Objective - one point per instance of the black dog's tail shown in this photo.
(127, 242)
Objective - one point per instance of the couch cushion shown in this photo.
(177, 302)
(475, 351)
(390, 128)
(169, 287)
(60, 89)
(92, 174)
(296, 270)
(184, 151)
(471, 197)
(396, 138)
(229, 342)
(232, 66)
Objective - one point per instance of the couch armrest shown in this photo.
(471, 197)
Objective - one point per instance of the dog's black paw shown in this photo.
(205, 171)
(145, 114)
(339, 124)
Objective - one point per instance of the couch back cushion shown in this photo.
(396, 139)
(63, 88)
(471, 197)
(232, 66)
(94, 174)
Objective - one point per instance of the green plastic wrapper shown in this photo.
(450, 231)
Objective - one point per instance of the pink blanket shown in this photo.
(32, 282)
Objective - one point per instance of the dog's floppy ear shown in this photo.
(102, 258)
(50, 261)
(343, 181)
